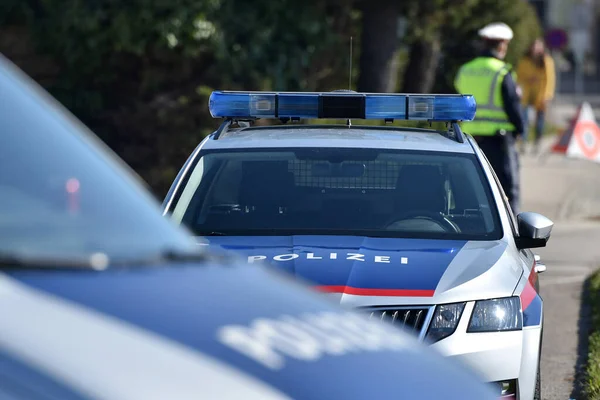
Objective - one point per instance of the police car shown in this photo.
(406, 225)
(103, 298)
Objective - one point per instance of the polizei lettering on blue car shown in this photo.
(331, 256)
(309, 337)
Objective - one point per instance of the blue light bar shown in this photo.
(333, 105)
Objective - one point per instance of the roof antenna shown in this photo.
(348, 122)
(350, 75)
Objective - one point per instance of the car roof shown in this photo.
(336, 136)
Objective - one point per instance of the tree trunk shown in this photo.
(420, 73)
(379, 42)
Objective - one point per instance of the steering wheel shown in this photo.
(438, 218)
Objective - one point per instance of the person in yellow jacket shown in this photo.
(536, 76)
(498, 120)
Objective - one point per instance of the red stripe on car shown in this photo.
(377, 292)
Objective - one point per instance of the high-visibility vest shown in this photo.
(482, 78)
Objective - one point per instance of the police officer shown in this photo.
(498, 120)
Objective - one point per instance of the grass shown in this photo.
(592, 378)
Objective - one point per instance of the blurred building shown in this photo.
(578, 20)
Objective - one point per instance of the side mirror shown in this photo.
(534, 230)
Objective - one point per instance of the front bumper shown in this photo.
(496, 356)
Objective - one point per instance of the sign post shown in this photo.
(581, 20)
(579, 46)
(556, 41)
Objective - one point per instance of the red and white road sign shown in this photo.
(565, 138)
(585, 136)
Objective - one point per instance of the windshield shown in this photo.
(62, 194)
(323, 191)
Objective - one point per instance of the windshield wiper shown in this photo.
(100, 261)
(211, 233)
(9, 261)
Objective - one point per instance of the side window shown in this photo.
(469, 205)
(511, 215)
(450, 204)
(225, 189)
(222, 192)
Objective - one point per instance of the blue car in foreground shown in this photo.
(103, 298)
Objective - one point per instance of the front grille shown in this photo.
(411, 319)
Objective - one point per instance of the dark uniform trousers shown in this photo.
(502, 154)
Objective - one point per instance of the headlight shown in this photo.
(445, 320)
(496, 315)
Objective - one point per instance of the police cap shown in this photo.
(496, 31)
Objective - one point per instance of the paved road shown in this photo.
(567, 191)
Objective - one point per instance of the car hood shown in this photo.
(207, 330)
(372, 271)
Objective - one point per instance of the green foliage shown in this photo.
(592, 380)
(460, 40)
(110, 44)
(428, 16)
(139, 72)
(128, 70)
(280, 45)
